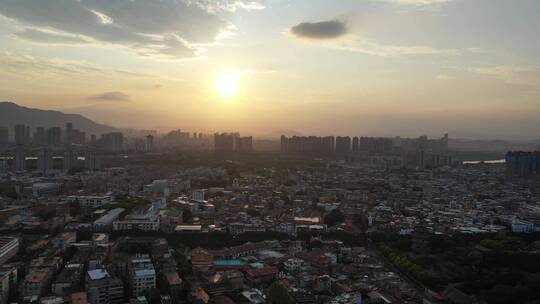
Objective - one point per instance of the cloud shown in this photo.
(369, 47)
(511, 74)
(417, 2)
(444, 77)
(48, 36)
(26, 65)
(320, 30)
(229, 6)
(111, 96)
(169, 29)
(354, 43)
(32, 68)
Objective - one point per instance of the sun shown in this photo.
(227, 85)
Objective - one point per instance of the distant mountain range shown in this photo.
(12, 114)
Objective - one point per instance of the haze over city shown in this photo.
(269, 151)
(372, 67)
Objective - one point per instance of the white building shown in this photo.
(41, 189)
(143, 225)
(90, 201)
(198, 195)
(107, 219)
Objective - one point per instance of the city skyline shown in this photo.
(373, 67)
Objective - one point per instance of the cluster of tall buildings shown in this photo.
(345, 145)
(56, 137)
(52, 137)
(47, 144)
(311, 144)
(232, 142)
(420, 152)
(523, 164)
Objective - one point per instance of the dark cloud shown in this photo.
(320, 30)
(162, 28)
(110, 96)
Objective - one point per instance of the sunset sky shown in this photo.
(357, 67)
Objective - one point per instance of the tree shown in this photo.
(253, 212)
(334, 217)
(187, 215)
(278, 294)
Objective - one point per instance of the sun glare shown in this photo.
(226, 85)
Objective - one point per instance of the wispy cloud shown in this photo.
(369, 47)
(513, 74)
(50, 37)
(230, 6)
(33, 67)
(417, 2)
(354, 43)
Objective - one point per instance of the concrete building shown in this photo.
(9, 246)
(343, 144)
(101, 288)
(4, 286)
(149, 143)
(112, 142)
(4, 136)
(44, 160)
(53, 137)
(35, 283)
(22, 136)
(20, 158)
(90, 201)
(105, 222)
(244, 144)
(91, 160)
(70, 159)
(136, 224)
(43, 189)
(142, 274)
(224, 143)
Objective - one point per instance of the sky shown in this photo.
(327, 67)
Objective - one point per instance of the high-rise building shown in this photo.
(39, 137)
(69, 133)
(224, 143)
(91, 161)
(343, 145)
(4, 135)
(284, 144)
(311, 144)
(78, 137)
(53, 136)
(70, 159)
(355, 144)
(376, 144)
(149, 143)
(44, 160)
(244, 144)
(20, 159)
(523, 165)
(21, 136)
(112, 142)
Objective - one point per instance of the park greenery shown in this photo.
(497, 268)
